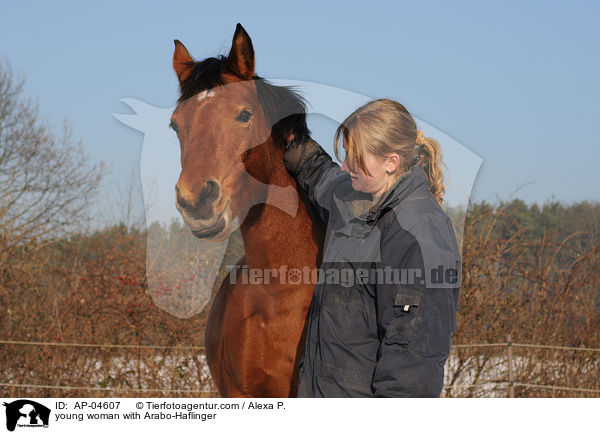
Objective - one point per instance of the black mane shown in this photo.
(205, 75)
(284, 108)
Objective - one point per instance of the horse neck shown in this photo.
(272, 237)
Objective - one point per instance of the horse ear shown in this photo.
(183, 64)
(241, 56)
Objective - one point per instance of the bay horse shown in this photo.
(232, 126)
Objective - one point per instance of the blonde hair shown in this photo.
(384, 127)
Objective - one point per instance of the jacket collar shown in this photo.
(408, 183)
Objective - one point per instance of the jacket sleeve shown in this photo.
(415, 324)
(316, 173)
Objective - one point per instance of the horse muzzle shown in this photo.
(214, 227)
(200, 211)
(223, 221)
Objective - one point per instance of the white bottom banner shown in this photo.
(160, 415)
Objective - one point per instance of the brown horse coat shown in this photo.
(231, 126)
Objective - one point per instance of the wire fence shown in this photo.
(509, 383)
(503, 366)
(68, 344)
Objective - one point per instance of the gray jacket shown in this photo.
(384, 305)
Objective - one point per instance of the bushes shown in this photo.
(92, 289)
(528, 271)
(532, 273)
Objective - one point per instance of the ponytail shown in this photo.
(430, 158)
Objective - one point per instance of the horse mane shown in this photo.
(284, 108)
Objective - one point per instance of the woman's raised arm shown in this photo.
(315, 172)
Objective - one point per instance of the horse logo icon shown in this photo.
(180, 282)
(26, 413)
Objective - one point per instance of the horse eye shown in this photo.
(244, 116)
(174, 126)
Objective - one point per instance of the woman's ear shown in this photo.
(392, 163)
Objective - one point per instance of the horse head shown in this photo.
(227, 135)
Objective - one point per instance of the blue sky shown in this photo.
(515, 82)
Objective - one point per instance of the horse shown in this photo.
(232, 126)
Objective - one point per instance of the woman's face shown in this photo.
(376, 183)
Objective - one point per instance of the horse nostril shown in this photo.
(211, 191)
(180, 200)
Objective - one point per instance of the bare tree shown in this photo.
(46, 181)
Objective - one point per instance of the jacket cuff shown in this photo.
(296, 152)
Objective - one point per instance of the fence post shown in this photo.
(511, 379)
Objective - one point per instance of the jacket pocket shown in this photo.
(406, 298)
(407, 317)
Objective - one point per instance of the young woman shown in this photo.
(384, 307)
